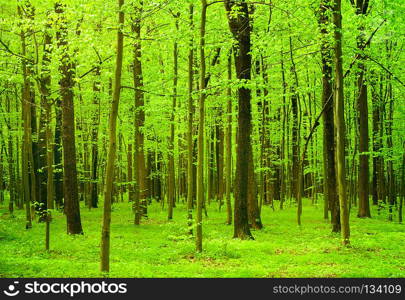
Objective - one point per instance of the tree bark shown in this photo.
(362, 107)
(190, 113)
(139, 155)
(201, 123)
(340, 123)
(66, 83)
(228, 147)
(330, 188)
(241, 29)
(112, 146)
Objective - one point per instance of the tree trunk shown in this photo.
(190, 112)
(139, 156)
(228, 149)
(45, 84)
(340, 123)
(362, 107)
(241, 29)
(171, 169)
(27, 159)
(112, 146)
(70, 188)
(200, 141)
(330, 188)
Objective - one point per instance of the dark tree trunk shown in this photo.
(362, 107)
(330, 187)
(94, 140)
(339, 122)
(70, 187)
(241, 29)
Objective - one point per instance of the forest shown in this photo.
(202, 138)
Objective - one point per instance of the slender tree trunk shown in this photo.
(46, 105)
(112, 145)
(139, 156)
(362, 107)
(27, 166)
(12, 185)
(93, 203)
(340, 124)
(376, 140)
(390, 164)
(228, 149)
(190, 112)
(295, 141)
(171, 169)
(330, 188)
(201, 124)
(284, 148)
(219, 130)
(57, 155)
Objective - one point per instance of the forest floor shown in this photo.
(161, 248)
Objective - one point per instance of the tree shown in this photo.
(190, 113)
(330, 191)
(66, 83)
(339, 122)
(112, 145)
(139, 156)
(239, 24)
(201, 123)
(228, 148)
(361, 7)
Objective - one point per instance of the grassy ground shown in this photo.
(161, 248)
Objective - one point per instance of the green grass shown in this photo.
(161, 248)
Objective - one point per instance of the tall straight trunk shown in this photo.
(295, 138)
(228, 148)
(70, 187)
(171, 169)
(49, 159)
(390, 164)
(190, 113)
(340, 123)
(381, 178)
(42, 158)
(241, 29)
(34, 153)
(210, 164)
(93, 203)
(219, 150)
(45, 84)
(112, 146)
(12, 178)
(130, 173)
(139, 156)
(284, 149)
(376, 139)
(57, 155)
(27, 161)
(201, 124)
(329, 183)
(12, 185)
(362, 107)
